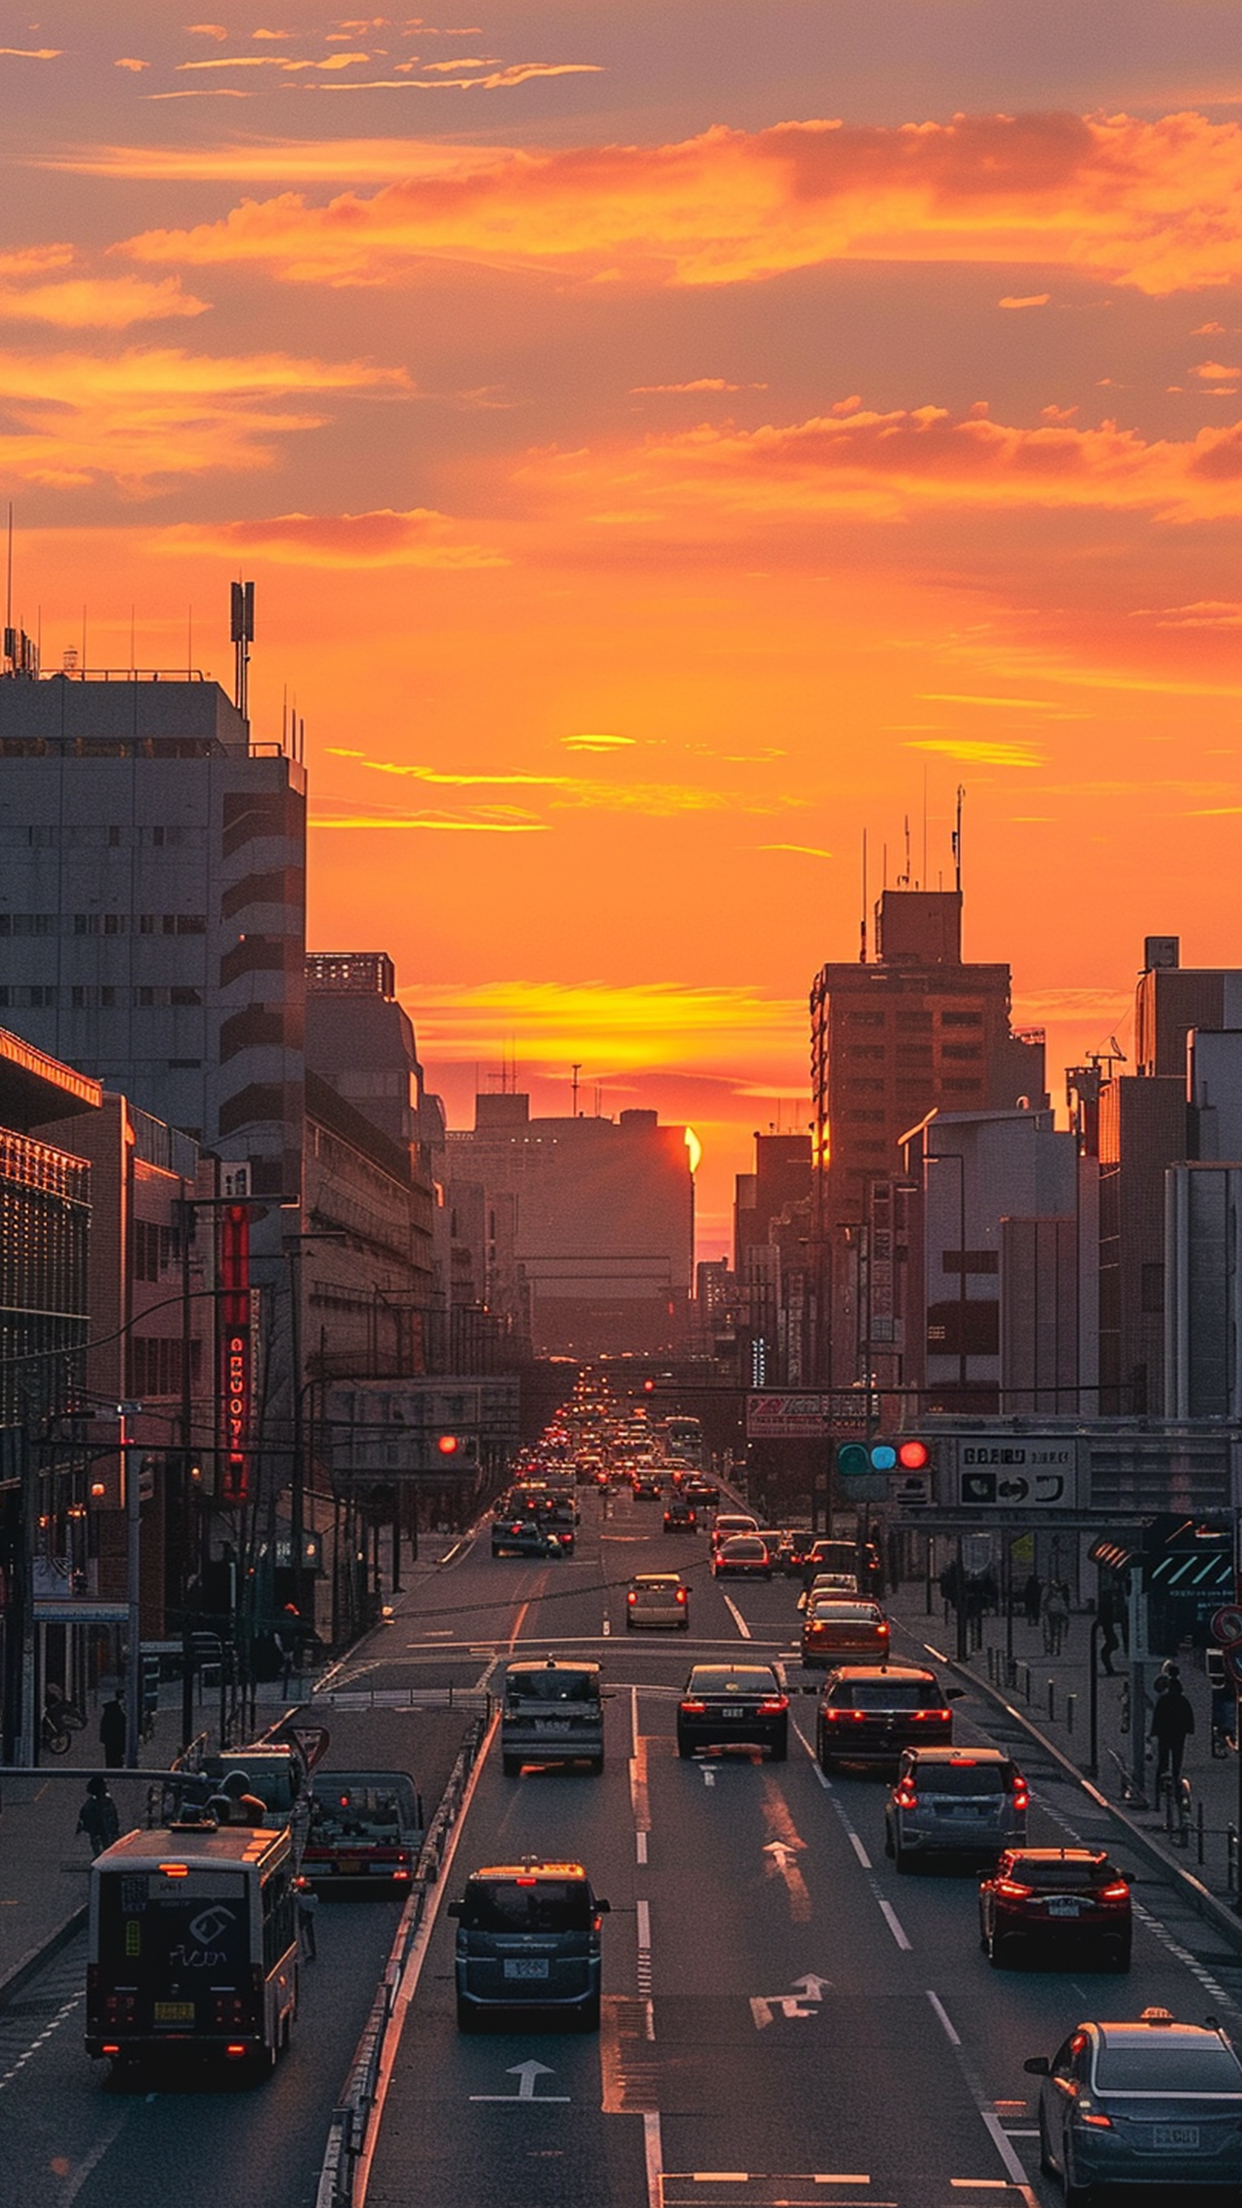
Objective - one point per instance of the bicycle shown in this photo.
(54, 1733)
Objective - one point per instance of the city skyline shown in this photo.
(703, 436)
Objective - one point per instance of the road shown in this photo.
(786, 2020)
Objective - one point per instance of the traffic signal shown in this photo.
(857, 1460)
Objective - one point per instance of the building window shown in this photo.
(961, 1019)
(961, 1050)
(920, 1020)
(864, 1019)
(185, 923)
(969, 1261)
(866, 1050)
(185, 996)
(962, 1088)
(914, 1054)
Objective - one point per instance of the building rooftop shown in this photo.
(35, 1088)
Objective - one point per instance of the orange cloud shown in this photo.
(145, 416)
(700, 383)
(1149, 204)
(417, 538)
(884, 466)
(1035, 299)
(364, 160)
(655, 800)
(99, 303)
(127, 61)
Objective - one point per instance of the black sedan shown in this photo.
(1056, 1901)
(727, 1703)
(869, 1716)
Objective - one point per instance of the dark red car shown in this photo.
(1062, 1899)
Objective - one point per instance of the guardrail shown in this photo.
(351, 2118)
(467, 1699)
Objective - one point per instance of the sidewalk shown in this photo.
(1054, 1693)
(43, 1866)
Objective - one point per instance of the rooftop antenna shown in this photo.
(574, 1087)
(956, 840)
(189, 642)
(242, 632)
(903, 880)
(924, 877)
(862, 926)
(8, 590)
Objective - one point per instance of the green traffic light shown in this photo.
(853, 1461)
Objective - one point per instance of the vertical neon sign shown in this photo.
(235, 1375)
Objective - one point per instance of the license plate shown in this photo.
(174, 2012)
(526, 1966)
(552, 1725)
(349, 1866)
(1173, 2136)
(1064, 1908)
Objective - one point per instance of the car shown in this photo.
(742, 1556)
(647, 1487)
(528, 1938)
(773, 1539)
(956, 1802)
(680, 1516)
(869, 1716)
(832, 1586)
(825, 1554)
(724, 1703)
(1148, 2103)
(552, 1712)
(845, 1632)
(727, 1522)
(658, 1599)
(1062, 1900)
(525, 1536)
(698, 1490)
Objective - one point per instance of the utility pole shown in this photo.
(133, 1584)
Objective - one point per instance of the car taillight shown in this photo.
(1118, 1891)
(1095, 2117)
(631, 1598)
(844, 1716)
(882, 1629)
(694, 1709)
(907, 1798)
(1021, 1799)
(814, 1629)
(930, 1717)
(1013, 1889)
(774, 1705)
(682, 1595)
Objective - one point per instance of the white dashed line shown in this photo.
(950, 2030)
(893, 1921)
(738, 1619)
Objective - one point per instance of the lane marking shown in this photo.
(643, 1912)
(634, 1736)
(521, 1618)
(526, 2074)
(607, 1628)
(738, 1619)
(1014, 2165)
(653, 2156)
(640, 1846)
(950, 2029)
(893, 1921)
(709, 1774)
(860, 1851)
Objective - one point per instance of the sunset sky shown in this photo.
(667, 439)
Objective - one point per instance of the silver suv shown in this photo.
(955, 1801)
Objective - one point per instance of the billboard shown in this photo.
(786, 1417)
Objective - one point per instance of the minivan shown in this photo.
(552, 1713)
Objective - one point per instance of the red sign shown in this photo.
(235, 1374)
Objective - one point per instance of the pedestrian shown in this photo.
(1107, 1616)
(112, 1731)
(1033, 1598)
(1056, 1617)
(308, 1902)
(98, 1817)
(1172, 1723)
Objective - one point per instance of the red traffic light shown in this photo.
(649, 1387)
(913, 1456)
(447, 1445)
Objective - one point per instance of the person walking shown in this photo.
(112, 1729)
(1172, 1723)
(1033, 1598)
(308, 1903)
(1109, 1642)
(98, 1817)
(1056, 1617)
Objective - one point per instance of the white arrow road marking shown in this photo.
(709, 1776)
(804, 2001)
(526, 2074)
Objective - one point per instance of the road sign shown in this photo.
(1036, 1472)
(786, 1417)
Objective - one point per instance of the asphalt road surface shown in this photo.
(785, 2020)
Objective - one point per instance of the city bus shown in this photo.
(683, 1441)
(193, 1945)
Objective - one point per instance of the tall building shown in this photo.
(892, 1039)
(1181, 1102)
(603, 1223)
(153, 904)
